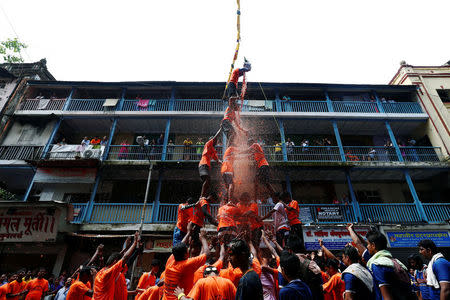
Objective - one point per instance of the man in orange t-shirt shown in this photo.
(227, 170)
(183, 219)
(210, 287)
(105, 281)
(148, 279)
(38, 287)
(79, 290)
(16, 288)
(3, 291)
(204, 166)
(262, 173)
(335, 287)
(227, 216)
(292, 212)
(180, 268)
(151, 293)
(200, 212)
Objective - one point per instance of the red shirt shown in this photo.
(36, 288)
(228, 160)
(255, 223)
(152, 293)
(258, 155)
(147, 280)
(198, 217)
(213, 287)
(235, 76)
(184, 217)
(209, 153)
(335, 287)
(3, 291)
(230, 114)
(227, 215)
(16, 287)
(77, 291)
(293, 214)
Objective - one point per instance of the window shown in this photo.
(26, 135)
(444, 95)
(368, 196)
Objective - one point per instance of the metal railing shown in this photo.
(304, 106)
(421, 154)
(313, 153)
(402, 108)
(150, 105)
(135, 152)
(199, 105)
(42, 104)
(390, 213)
(119, 213)
(355, 107)
(370, 154)
(437, 212)
(88, 105)
(19, 152)
(394, 213)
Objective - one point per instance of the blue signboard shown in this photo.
(408, 239)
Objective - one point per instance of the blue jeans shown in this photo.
(178, 236)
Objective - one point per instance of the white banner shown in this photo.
(334, 238)
(28, 225)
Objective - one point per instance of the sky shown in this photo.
(325, 41)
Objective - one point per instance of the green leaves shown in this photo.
(11, 50)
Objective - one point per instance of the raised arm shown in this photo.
(205, 246)
(327, 252)
(269, 246)
(356, 240)
(98, 252)
(268, 214)
(130, 250)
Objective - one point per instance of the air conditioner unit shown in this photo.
(91, 154)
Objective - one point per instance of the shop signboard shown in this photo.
(334, 238)
(329, 214)
(28, 225)
(408, 239)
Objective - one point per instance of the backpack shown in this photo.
(314, 281)
(404, 280)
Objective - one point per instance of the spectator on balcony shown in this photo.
(40, 96)
(153, 150)
(290, 148)
(187, 143)
(438, 271)
(170, 150)
(371, 154)
(199, 147)
(123, 151)
(305, 145)
(104, 141)
(85, 142)
(95, 142)
(412, 150)
(160, 143)
(278, 151)
(62, 142)
(383, 100)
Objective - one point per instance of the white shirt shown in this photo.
(62, 293)
(279, 216)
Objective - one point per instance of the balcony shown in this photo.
(69, 152)
(387, 213)
(20, 152)
(218, 105)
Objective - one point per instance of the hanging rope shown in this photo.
(238, 41)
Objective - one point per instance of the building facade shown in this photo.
(348, 153)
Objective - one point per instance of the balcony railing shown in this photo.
(355, 107)
(19, 152)
(304, 106)
(390, 213)
(68, 152)
(218, 105)
(313, 153)
(42, 104)
(370, 154)
(416, 154)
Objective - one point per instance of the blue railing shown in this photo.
(304, 106)
(417, 154)
(391, 213)
(437, 212)
(218, 105)
(355, 107)
(402, 108)
(370, 154)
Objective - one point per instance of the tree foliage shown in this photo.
(11, 50)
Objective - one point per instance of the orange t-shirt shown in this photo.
(198, 217)
(255, 223)
(228, 160)
(147, 280)
(235, 76)
(152, 293)
(293, 214)
(36, 288)
(335, 287)
(178, 270)
(16, 287)
(77, 291)
(235, 274)
(213, 287)
(227, 215)
(184, 217)
(3, 291)
(199, 273)
(104, 286)
(121, 290)
(209, 153)
(258, 155)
